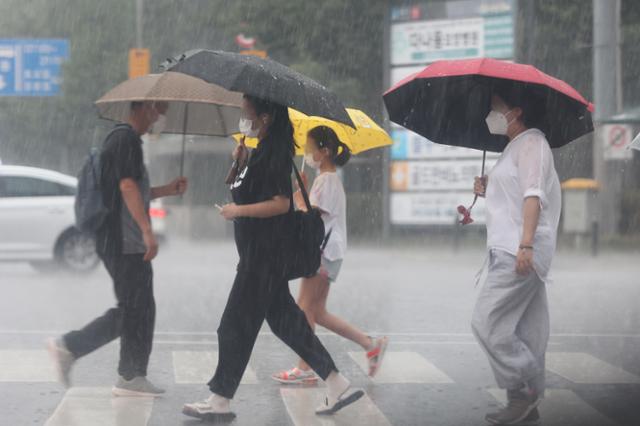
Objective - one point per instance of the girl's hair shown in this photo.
(325, 137)
(279, 136)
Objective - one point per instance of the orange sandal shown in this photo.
(296, 376)
(376, 355)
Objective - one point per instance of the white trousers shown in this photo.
(511, 323)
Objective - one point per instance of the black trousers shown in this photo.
(258, 293)
(132, 320)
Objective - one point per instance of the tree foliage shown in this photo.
(339, 43)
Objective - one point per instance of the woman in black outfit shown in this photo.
(262, 213)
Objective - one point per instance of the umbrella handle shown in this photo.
(235, 166)
(484, 160)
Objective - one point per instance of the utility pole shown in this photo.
(607, 99)
(386, 153)
(139, 11)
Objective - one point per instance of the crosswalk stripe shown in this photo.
(403, 367)
(561, 407)
(97, 407)
(301, 404)
(580, 367)
(26, 366)
(198, 366)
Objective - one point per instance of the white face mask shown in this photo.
(497, 122)
(159, 126)
(245, 125)
(311, 162)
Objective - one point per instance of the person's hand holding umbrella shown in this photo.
(178, 186)
(480, 185)
(240, 157)
(479, 189)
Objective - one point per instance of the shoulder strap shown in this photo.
(301, 185)
(307, 202)
(121, 126)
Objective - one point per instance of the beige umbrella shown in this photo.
(195, 106)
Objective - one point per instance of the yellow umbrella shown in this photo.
(367, 134)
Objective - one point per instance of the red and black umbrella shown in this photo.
(448, 101)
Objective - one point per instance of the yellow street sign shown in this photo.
(139, 60)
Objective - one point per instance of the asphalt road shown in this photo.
(420, 296)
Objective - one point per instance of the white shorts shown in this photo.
(332, 267)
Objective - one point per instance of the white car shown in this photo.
(37, 220)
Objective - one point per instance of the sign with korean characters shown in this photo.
(32, 67)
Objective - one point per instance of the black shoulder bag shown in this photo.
(307, 239)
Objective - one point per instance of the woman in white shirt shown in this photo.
(511, 316)
(325, 152)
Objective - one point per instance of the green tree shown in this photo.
(337, 42)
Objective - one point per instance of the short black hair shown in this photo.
(136, 105)
(525, 97)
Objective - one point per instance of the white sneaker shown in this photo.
(332, 406)
(138, 386)
(62, 360)
(209, 410)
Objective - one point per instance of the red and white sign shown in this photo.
(245, 42)
(617, 137)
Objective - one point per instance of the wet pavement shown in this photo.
(421, 297)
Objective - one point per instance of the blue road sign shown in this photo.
(31, 67)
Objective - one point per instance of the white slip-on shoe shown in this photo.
(208, 411)
(331, 406)
(62, 359)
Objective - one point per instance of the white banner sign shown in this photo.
(423, 42)
(436, 175)
(408, 145)
(433, 208)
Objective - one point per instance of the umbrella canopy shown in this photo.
(635, 143)
(263, 78)
(367, 134)
(195, 106)
(448, 102)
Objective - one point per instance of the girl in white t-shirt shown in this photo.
(325, 152)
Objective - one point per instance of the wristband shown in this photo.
(522, 247)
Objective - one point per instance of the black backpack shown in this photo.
(306, 240)
(89, 205)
